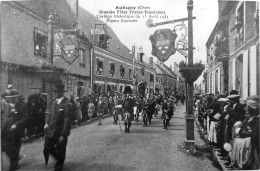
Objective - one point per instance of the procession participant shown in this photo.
(111, 105)
(165, 116)
(170, 112)
(100, 109)
(57, 127)
(14, 120)
(151, 108)
(128, 110)
(136, 108)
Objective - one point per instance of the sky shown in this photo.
(137, 33)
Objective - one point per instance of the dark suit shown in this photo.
(238, 113)
(59, 125)
(165, 116)
(11, 139)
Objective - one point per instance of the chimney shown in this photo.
(74, 6)
(171, 67)
(151, 61)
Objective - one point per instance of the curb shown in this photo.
(215, 151)
(88, 122)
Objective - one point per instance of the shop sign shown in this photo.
(163, 44)
(66, 47)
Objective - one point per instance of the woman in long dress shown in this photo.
(91, 109)
(78, 111)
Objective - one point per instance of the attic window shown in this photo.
(40, 39)
(103, 41)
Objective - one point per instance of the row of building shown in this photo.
(233, 50)
(48, 40)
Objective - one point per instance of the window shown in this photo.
(142, 72)
(158, 80)
(130, 74)
(121, 87)
(40, 39)
(151, 78)
(122, 71)
(100, 66)
(112, 69)
(69, 87)
(239, 26)
(82, 58)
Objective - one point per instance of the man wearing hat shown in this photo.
(237, 114)
(14, 120)
(57, 127)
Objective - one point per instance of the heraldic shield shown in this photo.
(163, 44)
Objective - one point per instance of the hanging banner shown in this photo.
(66, 46)
(163, 44)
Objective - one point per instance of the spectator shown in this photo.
(78, 111)
(91, 109)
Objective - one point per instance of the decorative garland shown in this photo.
(31, 69)
(16, 67)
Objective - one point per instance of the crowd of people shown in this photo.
(231, 125)
(21, 119)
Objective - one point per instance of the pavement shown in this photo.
(104, 148)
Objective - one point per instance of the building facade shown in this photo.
(115, 67)
(233, 49)
(166, 79)
(31, 58)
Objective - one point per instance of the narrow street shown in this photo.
(98, 148)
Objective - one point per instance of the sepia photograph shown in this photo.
(129, 85)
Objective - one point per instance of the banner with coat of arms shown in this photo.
(66, 46)
(163, 44)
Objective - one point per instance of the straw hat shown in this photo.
(12, 93)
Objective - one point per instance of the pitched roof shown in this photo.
(87, 22)
(43, 8)
(163, 71)
(169, 70)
